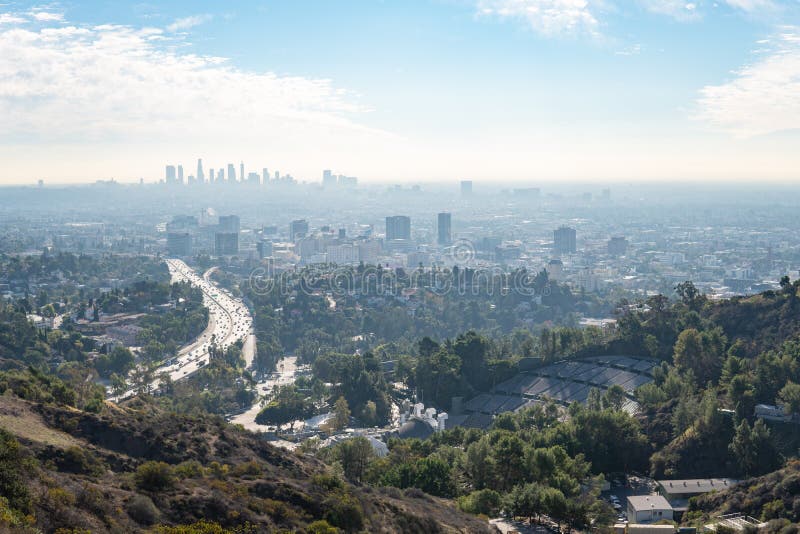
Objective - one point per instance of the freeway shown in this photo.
(229, 321)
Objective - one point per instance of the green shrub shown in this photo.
(154, 476)
(142, 510)
(345, 512)
(485, 501)
(13, 463)
(321, 527)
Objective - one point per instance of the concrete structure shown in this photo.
(648, 509)
(298, 228)
(772, 413)
(229, 224)
(684, 489)
(443, 229)
(226, 243)
(179, 244)
(398, 227)
(564, 240)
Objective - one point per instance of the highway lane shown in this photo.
(229, 321)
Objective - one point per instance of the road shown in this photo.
(229, 321)
(286, 369)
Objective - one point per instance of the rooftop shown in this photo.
(648, 502)
(702, 485)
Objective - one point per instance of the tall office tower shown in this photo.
(466, 188)
(398, 227)
(231, 173)
(180, 174)
(328, 178)
(298, 228)
(264, 249)
(170, 175)
(277, 175)
(229, 224)
(264, 176)
(617, 246)
(226, 243)
(443, 229)
(241, 171)
(179, 244)
(564, 240)
(211, 176)
(342, 233)
(200, 176)
(253, 178)
(221, 175)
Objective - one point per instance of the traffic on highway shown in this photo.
(229, 321)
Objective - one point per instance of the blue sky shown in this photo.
(403, 90)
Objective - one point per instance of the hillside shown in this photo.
(135, 467)
(772, 496)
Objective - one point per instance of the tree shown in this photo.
(341, 414)
(526, 500)
(433, 476)
(790, 396)
(485, 501)
(753, 448)
(702, 352)
(354, 455)
(614, 397)
(369, 414)
(287, 406)
(689, 294)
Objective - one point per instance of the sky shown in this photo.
(403, 91)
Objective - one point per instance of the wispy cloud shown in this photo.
(11, 18)
(546, 17)
(753, 5)
(678, 9)
(554, 18)
(186, 23)
(763, 97)
(46, 16)
(92, 83)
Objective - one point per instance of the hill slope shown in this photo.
(66, 468)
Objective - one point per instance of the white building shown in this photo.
(343, 254)
(648, 509)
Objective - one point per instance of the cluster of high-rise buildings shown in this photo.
(175, 175)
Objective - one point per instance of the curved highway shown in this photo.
(229, 321)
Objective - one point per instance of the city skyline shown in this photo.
(490, 90)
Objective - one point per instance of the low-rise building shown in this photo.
(648, 509)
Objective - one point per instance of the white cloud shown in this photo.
(764, 97)
(751, 5)
(46, 16)
(10, 18)
(86, 84)
(547, 17)
(188, 22)
(678, 9)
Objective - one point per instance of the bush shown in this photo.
(13, 463)
(345, 512)
(142, 510)
(328, 482)
(485, 501)
(321, 527)
(78, 460)
(154, 476)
